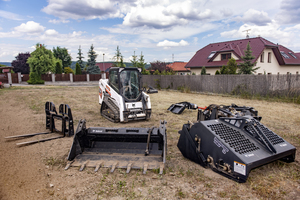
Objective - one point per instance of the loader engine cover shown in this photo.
(129, 148)
(233, 146)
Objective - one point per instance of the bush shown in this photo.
(34, 78)
(68, 70)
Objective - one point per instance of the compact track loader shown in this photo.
(232, 141)
(121, 96)
(129, 148)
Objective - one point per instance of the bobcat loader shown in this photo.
(121, 96)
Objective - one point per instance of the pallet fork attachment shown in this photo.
(65, 115)
(129, 148)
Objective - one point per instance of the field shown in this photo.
(37, 171)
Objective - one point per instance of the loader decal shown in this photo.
(108, 90)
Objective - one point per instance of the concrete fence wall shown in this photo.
(288, 84)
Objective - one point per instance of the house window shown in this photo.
(225, 56)
(262, 57)
(292, 55)
(284, 54)
(211, 54)
(269, 57)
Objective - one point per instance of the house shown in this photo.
(271, 58)
(179, 68)
(104, 66)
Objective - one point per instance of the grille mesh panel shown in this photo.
(235, 139)
(273, 138)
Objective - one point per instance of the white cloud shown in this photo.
(88, 9)
(9, 15)
(30, 27)
(167, 43)
(51, 32)
(259, 18)
(55, 21)
(289, 13)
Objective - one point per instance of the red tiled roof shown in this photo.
(237, 47)
(105, 66)
(178, 66)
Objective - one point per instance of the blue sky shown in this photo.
(164, 30)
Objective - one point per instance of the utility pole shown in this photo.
(103, 62)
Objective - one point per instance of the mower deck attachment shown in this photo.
(232, 145)
(65, 115)
(129, 148)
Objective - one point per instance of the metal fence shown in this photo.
(288, 84)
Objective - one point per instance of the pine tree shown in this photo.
(217, 72)
(80, 57)
(141, 64)
(232, 66)
(58, 68)
(92, 67)
(77, 69)
(247, 67)
(203, 71)
(134, 61)
(118, 59)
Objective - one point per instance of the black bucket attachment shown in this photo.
(178, 108)
(129, 148)
(232, 146)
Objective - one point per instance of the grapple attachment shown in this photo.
(129, 148)
(232, 146)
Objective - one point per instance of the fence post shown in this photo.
(9, 78)
(87, 77)
(19, 77)
(71, 77)
(103, 75)
(53, 78)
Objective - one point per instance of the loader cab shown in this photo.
(126, 82)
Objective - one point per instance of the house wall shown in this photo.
(209, 70)
(218, 57)
(274, 67)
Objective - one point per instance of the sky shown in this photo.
(164, 30)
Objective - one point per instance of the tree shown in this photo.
(63, 55)
(68, 70)
(232, 66)
(77, 69)
(58, 68)
(41, 61)
(134, 60)
(203, 71)
(20, 64)
(217, 72)
(141, 64)
(92, 67)
(247, 67)
(118, 58)
(224, 70)
(80, 57)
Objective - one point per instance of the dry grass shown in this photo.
(183, 179)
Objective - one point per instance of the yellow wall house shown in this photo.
(271, 58)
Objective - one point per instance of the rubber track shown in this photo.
(113, 107)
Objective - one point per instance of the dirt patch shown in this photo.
(37, 171)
